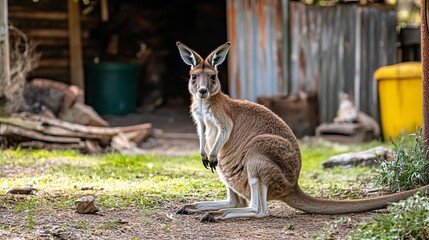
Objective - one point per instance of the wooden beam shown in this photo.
(75, 44)
(104, 10)
(42, 15)
(4, 54)
(38, 15)
(41, 33)
(53, 62)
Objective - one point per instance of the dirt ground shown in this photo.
(162, 223)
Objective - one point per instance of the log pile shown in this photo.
(36, 131)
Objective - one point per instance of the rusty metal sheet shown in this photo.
(256, 63)
(280, 47)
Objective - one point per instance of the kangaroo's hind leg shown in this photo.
(233, 200)
(257, 205)
(272, 170)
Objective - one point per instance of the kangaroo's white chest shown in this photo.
(202, 114)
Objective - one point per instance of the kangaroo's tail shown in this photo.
(304, 202)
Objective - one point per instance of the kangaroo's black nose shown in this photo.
(203, 90)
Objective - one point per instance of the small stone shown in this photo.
(86, 205)
(22, 190)
(368, 157)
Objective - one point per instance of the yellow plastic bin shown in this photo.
(400, 98)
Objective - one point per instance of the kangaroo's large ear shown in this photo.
(219, 55)
(188, 55)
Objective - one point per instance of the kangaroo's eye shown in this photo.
(213, 77)
(194, 76)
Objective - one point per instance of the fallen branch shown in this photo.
(41, 132)
(144, 126)
(72, 126)
(9, 130)
(49, 130)
(54, 146)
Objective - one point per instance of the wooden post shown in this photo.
(4, 56)
(75, 44)
(425, 66)
(4, 48)
(104, 10)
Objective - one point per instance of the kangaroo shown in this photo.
(254, 152)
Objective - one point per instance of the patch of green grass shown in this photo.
(407, 219)
(80, 224)
(113, 224)
(29, 157)
(408, 168)
(337, 182)
(117, 181)
(28, 206)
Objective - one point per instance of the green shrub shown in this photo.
(407, 219)
(408, 168)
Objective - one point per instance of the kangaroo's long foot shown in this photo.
(233, 200)
(187, 209)
(234, 213)
(257, 208)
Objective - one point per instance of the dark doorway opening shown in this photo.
(155, 26)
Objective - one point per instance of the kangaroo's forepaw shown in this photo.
(206, 162)
(208, 217)
(213, 164)
(183, 210)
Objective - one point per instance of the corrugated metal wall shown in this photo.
(323, 49)
(255, 59)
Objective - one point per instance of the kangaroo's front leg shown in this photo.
(233, 200)
(257, 206)
(223, 133)
(201, 128)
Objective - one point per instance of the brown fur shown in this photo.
(258, 155)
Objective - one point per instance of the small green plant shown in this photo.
(80, 224)
(408, 168)
(166, 226)
(407, 219)
(28, 207)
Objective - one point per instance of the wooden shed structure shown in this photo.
(279, 47)
(71, 33)
(61, 33)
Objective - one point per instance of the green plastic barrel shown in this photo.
(111, 88)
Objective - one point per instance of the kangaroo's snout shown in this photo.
(203, 92)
